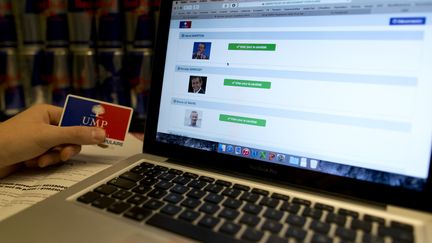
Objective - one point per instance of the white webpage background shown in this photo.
(405, 151)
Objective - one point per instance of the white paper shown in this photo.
(27, 187)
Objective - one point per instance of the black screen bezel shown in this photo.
(346, 187)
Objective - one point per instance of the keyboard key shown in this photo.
(119, 207)
(232, 203)
(272, 226)
(197, 194)
(249, 219)
(121, 194)
(296, 220)
(208, 222)
(229, 214)
(230, 228)
(297, 233)
(153, 173)
(214, 188)
(290, 207)
(147, 165)
(182, 180)
(88, 197)
(157, 193)
(336, 219)
(206, 179)
(189, 215)
(209, 208)
(368, 238)
(252, 235)
(260, 191)
(191, 203)
(273, 214)
(161, 168)
(312, 212)
(171, 209)
(103, 202)
(122, 183)
(276, 239)
(231, 192)
(223, 183)
(141, 167)
(241, 187)
(197, 184)
(141, 189)
(131, 176)
(347, 212)
(320, 227)
(269, 202)
(280, 196)
(175, 171)
(173, 198)
(319, 238)
(371, 218)
(186, 229)
(346, 234)
(167, 176)
(300, 201)
(249, 197)
(179, 189)
(137, 213)
(252, 208)
(190, 175)
(148, 181)
(325, 207)
(106, 189)
(137, 199)
(402, 226)
(213, 198)
(357, 224)
(395, 233)
(153, 204)
(139, 170)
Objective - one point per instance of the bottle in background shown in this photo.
(12, 90)
(84, 73)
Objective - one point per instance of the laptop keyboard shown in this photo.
(212, 210)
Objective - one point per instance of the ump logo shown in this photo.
(96, 119)
(98, 110)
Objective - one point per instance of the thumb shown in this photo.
(80, 135)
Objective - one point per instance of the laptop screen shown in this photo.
(341, 87)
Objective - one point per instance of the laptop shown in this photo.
(269, 121)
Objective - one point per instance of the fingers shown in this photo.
(54, 114)
(69, 151)
(80, 135)
(32, 163)
(49, 113)
(49, 158)
(54, 156)
(5, 171)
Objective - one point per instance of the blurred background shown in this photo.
(100, 49)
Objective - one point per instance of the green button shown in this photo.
(242, 120)
(251, 47)
(247, 83)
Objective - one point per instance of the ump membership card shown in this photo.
(114, 119)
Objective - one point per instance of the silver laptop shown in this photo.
(269, 121)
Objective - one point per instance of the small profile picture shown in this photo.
(201, 50)
(197, 84)
(193, 118)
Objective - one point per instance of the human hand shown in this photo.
(34, 138)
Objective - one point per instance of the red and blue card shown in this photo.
(114, 119)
